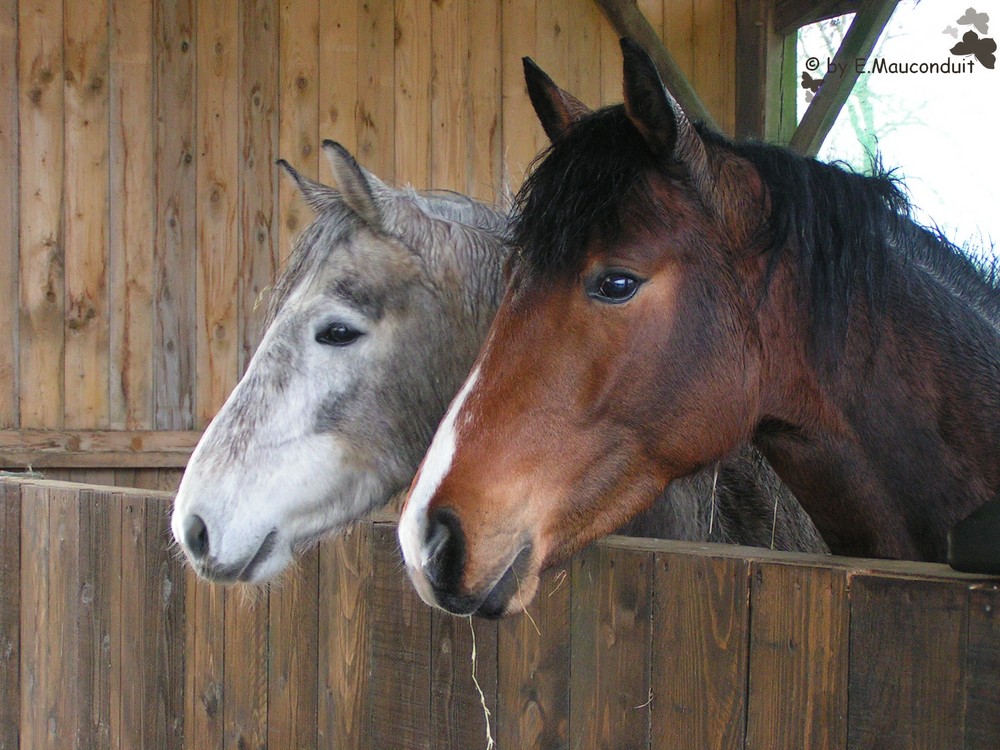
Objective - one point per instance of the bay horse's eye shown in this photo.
(338, 334)
(614, 287)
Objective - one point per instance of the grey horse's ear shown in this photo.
(556, 109)
(316, 194)
(358, 189)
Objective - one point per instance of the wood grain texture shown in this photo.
(129, 634)
(450, 56)
(245, 689)
(699, 654)
(298, 129)
(798, 658)
(217, 104)
(345, 583)
(485, 137)
(94, 449)
(204, 675)
(258, 187)
(458, 719)
(376, 88)
(10, 615)
(401, 659)
(414, 82)
(338, 78)
(8, 214)
(610, 690)
(40, 219)
(87, 334)
(982, 669)
(131, 221)
(907, 657)
(533, 675)
(174, 260)
(523, 137)
(293, 657)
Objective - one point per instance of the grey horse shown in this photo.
(373, 326)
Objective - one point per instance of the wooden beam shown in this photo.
(857, 45)
(94, 449)
(766, 75)
(628, 20)
(791, 15)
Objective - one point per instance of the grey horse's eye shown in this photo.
(338, 334)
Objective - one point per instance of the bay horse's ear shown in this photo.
(316, 194)
(556, 109)
(358, 188)
(659, 118)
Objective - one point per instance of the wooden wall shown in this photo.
(142, 218)
(108, 641)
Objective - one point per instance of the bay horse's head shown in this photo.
(373, 326)
(624, 354)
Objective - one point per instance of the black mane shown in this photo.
(845, 228)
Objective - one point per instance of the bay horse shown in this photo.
(676, 294)
(372, 328)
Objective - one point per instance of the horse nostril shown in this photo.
(196, 536)
(444, 549)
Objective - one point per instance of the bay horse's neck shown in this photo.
(896, 443)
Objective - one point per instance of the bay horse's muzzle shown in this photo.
(445, 567)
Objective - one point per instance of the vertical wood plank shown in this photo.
(610, 640)
(129, 630)
(293, 657)
(258, 191)
(376, 88)
(119, 680)
(485, 138)
(457, 718)
(8, 214)
(611, 64)
(414, 82)
(523, 137)
(699, 655)
(713, 45)
(10, 614)
(100, 517)
(40, 219)
(338, 79)
(176, 186)
(245, 689)
(798, 658)
(87, 336)
(345, 582)
(217, 338)
(401, 662)
(982, 675)
(449, 110)
(204, 617)
(64, 692)
(163, 636)
(299, 108)
(131, 221)
(34, 616)
(533, 671)
(907, 656)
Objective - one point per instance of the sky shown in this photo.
(940, 131)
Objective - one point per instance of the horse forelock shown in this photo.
(840, 231)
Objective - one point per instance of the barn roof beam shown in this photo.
(628, 20)
(860, 40)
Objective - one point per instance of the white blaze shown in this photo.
(437, 462)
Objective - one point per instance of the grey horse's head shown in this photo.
(375, 322)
